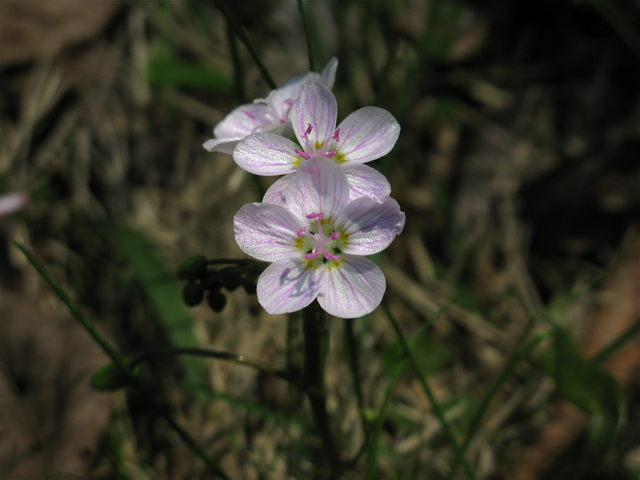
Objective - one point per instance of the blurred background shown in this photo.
(517, 167)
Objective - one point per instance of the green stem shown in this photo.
(314, 322)
(618, 343)
(437, 409)
(220, 355)
(372, 456)
(118, 360)
(354, 367)
(237, 28)
(238, 74)
(518, 356)
(307, 35)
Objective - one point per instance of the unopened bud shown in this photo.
(216, 300)
(193, 267)
(192, 294)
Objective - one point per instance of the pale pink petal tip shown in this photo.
(13, 201)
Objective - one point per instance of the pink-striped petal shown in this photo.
(283, 98)
(266, 154)
(365, 181)
(246, 119)
(266, 231)
(319, 186)
(370, 226)
(242, 121)
(224, 145)
(328, 76)
(313, 117)
(275, 193)
(366, 134)
(352, 289)
(288, 285)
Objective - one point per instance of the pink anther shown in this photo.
(327, 154)
(314, 254)
(334, 236)
(319, 216)
(336, 135)
(309, 128)
(331, 256)
(302, 154)
(300, 232)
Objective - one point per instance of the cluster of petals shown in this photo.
(269, 114)
(366, 134)
(11, 202)
(317, 240)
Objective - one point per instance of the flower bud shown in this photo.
(216, 300)
(249, 286)
(192, 294)
(193, 267)
(231, 283)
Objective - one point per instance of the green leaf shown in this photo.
(593, 390)
(110, 377)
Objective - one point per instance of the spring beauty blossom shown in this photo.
(269, 114)
(367, 134)
(11, 202)
(317, 242)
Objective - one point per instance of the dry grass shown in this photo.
(515, 208)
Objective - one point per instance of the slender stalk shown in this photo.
(119, 360)
(618, 343)
(437, 409)
(307, 35)
(314, 322)
(372, 457)
(238, 73)
(237, 28)
(516, 358)
(220, 355)
(354, 367)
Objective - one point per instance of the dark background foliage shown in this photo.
(517, 167)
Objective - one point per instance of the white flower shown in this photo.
(269, 114)
(367, 134)
(317, 241)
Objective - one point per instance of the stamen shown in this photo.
(327, 154)
(302, 154)
(336, 135)
(309, 128)
(320, 241)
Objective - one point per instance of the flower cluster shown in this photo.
(269, 114)
(329, 210)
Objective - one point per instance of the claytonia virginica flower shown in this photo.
(317, 242)
(367, 134)
(269, 114)
(12, 202)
